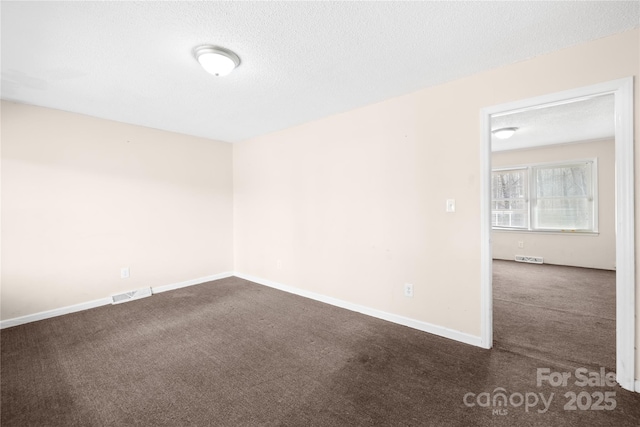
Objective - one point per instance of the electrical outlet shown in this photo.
(451, 205)
(520, 244)
(124, 273)
(279, 264)
(408, 290)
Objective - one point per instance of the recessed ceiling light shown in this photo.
(217, 60)
(504, 133)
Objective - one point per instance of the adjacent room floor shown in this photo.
(552, 312)
(234, 353)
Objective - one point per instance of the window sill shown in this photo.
(564, 233)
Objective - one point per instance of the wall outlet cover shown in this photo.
(408, 290)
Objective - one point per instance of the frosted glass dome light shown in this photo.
(216, 60)
(504, 133)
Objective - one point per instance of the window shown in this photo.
(509, 206)
(545, 197)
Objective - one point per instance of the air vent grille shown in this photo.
(529, 259)
(131, 295)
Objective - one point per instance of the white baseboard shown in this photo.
(54, 313)
(637, 386)
(103, 301)
(165, 288)
(394, 318)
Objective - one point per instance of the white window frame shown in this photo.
(526, 199)
(531, 199)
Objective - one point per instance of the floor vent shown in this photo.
(131, 295)
(529, 259)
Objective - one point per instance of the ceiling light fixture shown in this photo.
(216, 60)
(504, 133)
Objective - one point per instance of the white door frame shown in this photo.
(622, 90)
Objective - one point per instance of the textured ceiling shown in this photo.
(577, 121)
(133, 62)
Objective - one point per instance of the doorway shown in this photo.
(622, 91)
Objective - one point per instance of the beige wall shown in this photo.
(353, 205)
(594, 251)
(83, 197)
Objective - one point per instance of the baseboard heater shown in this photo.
(131, 295)
(529, 259)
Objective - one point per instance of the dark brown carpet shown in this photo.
(552, 312)
(233, 353)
